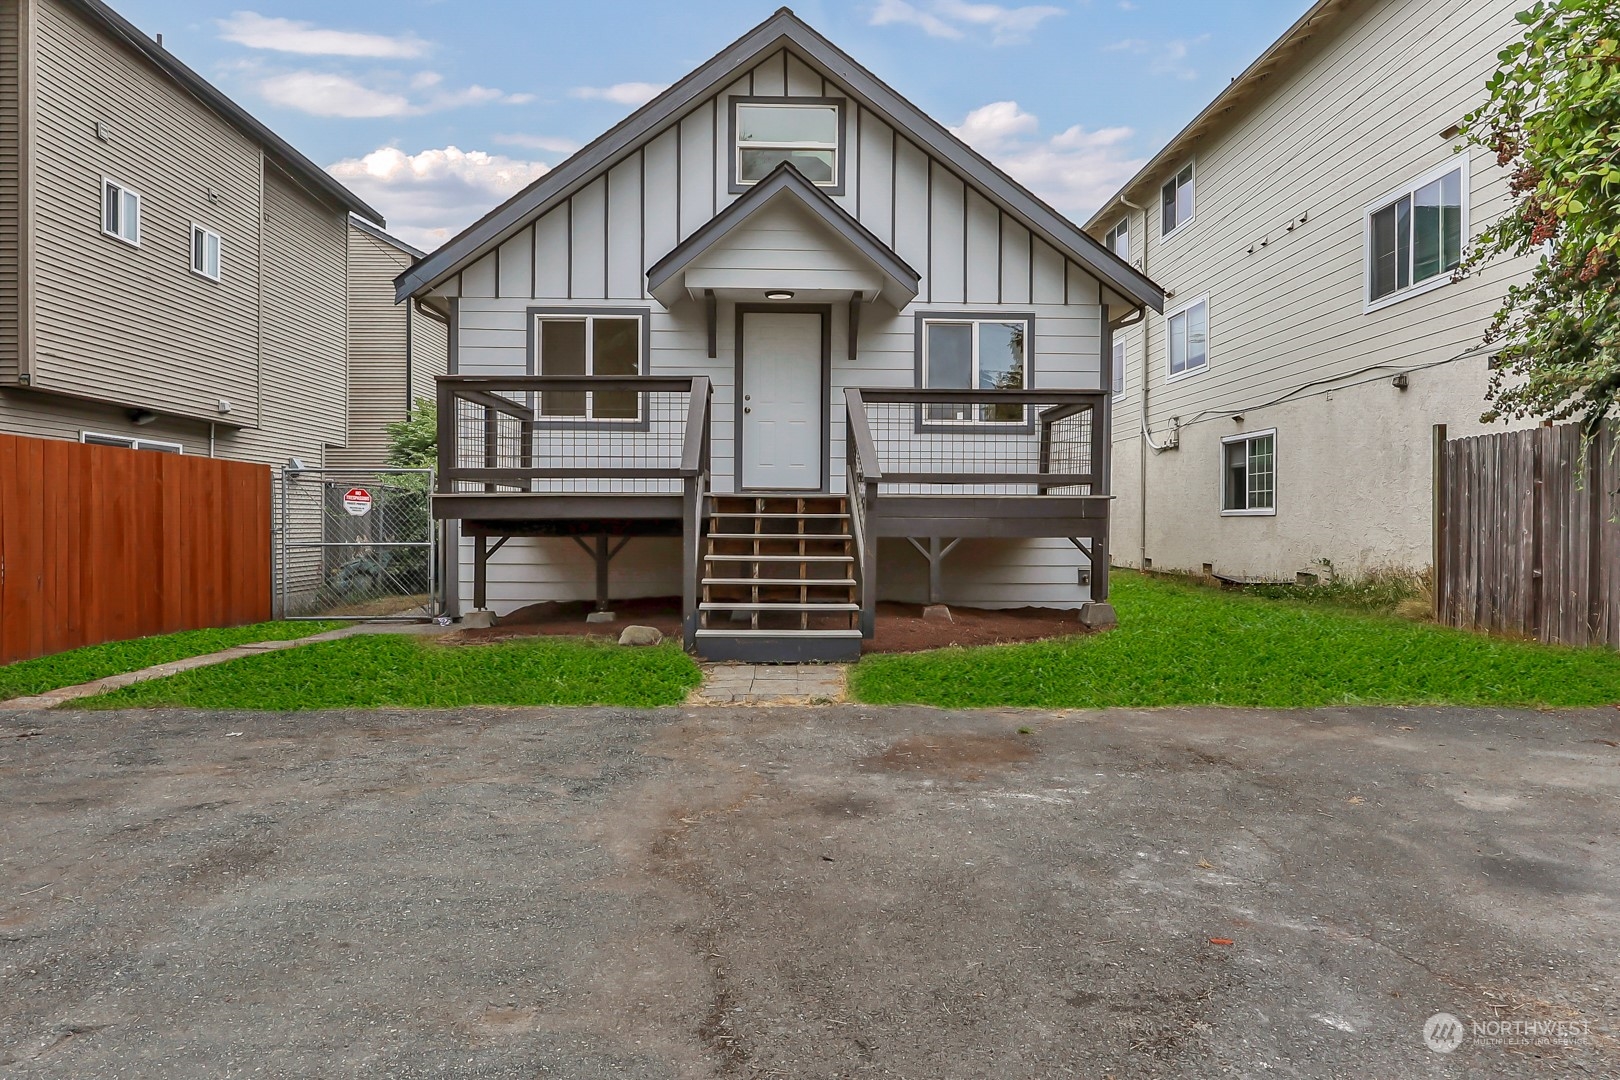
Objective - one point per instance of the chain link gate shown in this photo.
(356, 544)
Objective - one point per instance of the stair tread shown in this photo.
(779, 633)
(779, 558)
(780, 536)
(842, 582)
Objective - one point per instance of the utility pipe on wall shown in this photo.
(1146, 442)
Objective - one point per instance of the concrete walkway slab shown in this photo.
(771, 684)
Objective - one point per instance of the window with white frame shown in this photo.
(1186, 333)
(1249, 473)
(589, 345)
(96, 438)
(1415, 235)
(1118, 240)
(1117, 368)
(205, 252)
(121, 212)
(804, 132)
(964, 353)
(1176, 201)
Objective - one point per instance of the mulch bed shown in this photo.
(900, 627)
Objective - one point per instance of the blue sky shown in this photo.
(436, 110)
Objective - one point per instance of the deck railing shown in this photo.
(956, 443)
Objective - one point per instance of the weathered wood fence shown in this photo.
(1527, 539)
(101, 544)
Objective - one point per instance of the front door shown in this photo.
(783, 401)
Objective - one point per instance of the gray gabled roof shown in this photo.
(279, 150)
(785, 179)
(782, 30)
(385, 236)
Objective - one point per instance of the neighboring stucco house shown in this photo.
(173, 276)
(396, 351)
(800, 341)
(1305, 225)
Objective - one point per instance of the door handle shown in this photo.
(747, 409)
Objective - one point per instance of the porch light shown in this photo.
(779, 294)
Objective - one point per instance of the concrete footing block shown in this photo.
(482, 619)
(600, 617)
(1099, 616)
(938, 613)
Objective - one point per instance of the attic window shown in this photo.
(804, 131)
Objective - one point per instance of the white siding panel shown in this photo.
(1015, 262)
(769, 77)
(662, 204)
(874, 178)
(551, 253)
(626, 278)
(947, 270)
(479, 279)
(697, 155)
(983, 250)
(802, 80)
(911, 211)
(514, 274)
(1048, 274)
(589, 222)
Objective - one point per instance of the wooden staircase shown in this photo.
(778, 581)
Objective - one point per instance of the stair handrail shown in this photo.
(862, 474)
(695, 465)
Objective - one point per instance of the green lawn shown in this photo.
(1182, 644)
(395, 670)
(116, 657)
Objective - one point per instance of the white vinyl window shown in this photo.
(1118, 240)
(1249, 473)
(975, 354)
(804, 133)
(1117, 367)
(1415, 236)
(96, 438)
(1176, 201)
(205, 252)
(1187, 339)
(121, 212)
(589, 345)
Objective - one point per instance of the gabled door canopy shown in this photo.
(861, 264)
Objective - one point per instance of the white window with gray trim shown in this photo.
(1176, 201)
(205, 252)
(1116, 366)
(1415, 235)
(805, 132)
(1186, 336)
(1249, 473)
(121, 212)
(128, 442)
(1118, 240)
(577, 345)
(966, 353)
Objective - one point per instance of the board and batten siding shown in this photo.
(1359, 115)
(593, 249)
(134, 324)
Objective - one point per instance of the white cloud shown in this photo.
(257, 31)
(1167, 57)
(1074, 170)
(326, 94)
(431, 196)
(956, 19)
(625, 93)
(546, 143)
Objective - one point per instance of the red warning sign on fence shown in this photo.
(357, 501)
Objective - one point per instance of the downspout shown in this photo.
(1142, 452)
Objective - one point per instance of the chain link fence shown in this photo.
(356, 544)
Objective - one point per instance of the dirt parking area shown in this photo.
(817, 892)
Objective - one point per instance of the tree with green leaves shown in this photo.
(1553, 119)
(413, 443)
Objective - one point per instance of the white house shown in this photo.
(1278, 415)
(785, 340)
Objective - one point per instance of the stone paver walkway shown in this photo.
(63, 694)
(770, 684)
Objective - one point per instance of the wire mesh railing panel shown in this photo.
(1071, 447)
(560, 441)
(356, 543)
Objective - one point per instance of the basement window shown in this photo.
(805, 132)
(121, 212)
(1249, 474)
(96, 438)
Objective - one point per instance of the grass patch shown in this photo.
(29, 677)
(1182, 644)
(370, 671)
(1408, 593)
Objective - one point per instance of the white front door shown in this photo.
(782, 402)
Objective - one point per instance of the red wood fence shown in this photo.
(1527, 534)
(101, 544)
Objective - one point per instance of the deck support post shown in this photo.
(935, 553)
(602, 555)
(480, 570)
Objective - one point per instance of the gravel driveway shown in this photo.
(809, 892)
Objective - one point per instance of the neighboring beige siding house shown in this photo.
(1280, 412)
(172, 275)
(395, 350)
